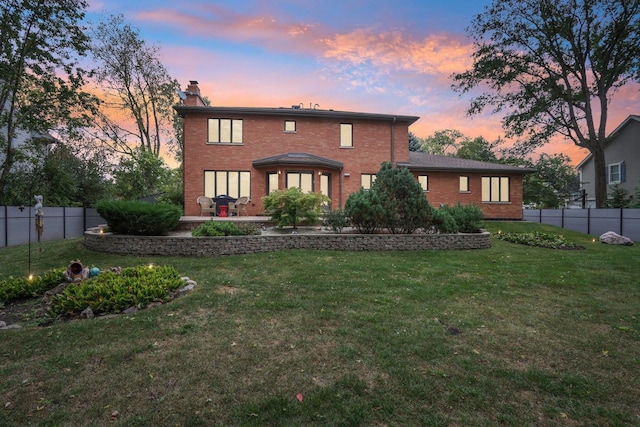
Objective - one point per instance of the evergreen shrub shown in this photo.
(139, 218)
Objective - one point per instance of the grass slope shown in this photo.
(513, 335)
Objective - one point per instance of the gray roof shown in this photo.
(294, 111)
(297, 159)
(428, 162)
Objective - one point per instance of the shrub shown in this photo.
(224, 228)
(538, 239)
(139, 218)
(365, 211)
(468, 218)
(336, 220)
(25, 287)
(405, 206)
(111, 292)
(443, 221)
(292, 206)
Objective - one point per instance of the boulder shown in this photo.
(612, 238)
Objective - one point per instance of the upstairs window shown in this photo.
(290, 126)
(225, 131)
(346, 135)
(616, 173)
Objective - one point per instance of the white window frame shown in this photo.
(611, 173)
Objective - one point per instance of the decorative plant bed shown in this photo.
(185, 245)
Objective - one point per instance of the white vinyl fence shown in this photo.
(591, 221)
(17, 226)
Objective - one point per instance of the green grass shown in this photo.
(512, 335)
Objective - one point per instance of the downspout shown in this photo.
(340, 188)
(393, 144)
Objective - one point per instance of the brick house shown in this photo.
(239, 151)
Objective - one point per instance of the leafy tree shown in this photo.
(41, 43)
(443, 142)
(140, 175)
(406, 209)
(134, 82)
(477, 149)
(292, 206)
(551, 66)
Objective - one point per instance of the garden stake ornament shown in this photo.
(39, 218)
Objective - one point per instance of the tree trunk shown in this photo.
(600, 176)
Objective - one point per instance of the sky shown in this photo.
(355, 55)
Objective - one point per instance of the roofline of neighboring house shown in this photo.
(616, 130)
(293, 112)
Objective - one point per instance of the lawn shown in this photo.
(512, 335)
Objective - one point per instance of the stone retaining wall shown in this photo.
(236, 245)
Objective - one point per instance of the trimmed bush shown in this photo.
(336, 220)
(443, 221)
(468, 218)
(224, 228)
(139, 218)
(292, 206)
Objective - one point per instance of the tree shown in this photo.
(139, 175)
(477, 149)
(406, 209)
(442, 142)
(134, 82)
(552, 66)
(554, 181)
(414, 142)
(41, 43)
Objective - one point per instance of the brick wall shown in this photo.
(236, 245)
(444, 189)
(264, 136)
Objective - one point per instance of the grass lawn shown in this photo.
(513, 335)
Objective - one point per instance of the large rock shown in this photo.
(612, 238)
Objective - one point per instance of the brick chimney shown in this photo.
(193, 95)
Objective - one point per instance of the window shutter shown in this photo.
(608, 174)
(623, 172)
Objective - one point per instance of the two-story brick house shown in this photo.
(238, 151)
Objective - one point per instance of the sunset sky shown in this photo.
(357, 55)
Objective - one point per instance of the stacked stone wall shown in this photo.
(237, 245)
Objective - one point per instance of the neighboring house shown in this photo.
(622, 156)
(238, 151)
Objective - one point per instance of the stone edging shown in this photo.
(236, 245)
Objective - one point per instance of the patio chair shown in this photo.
(239, 206)
(207, 206)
